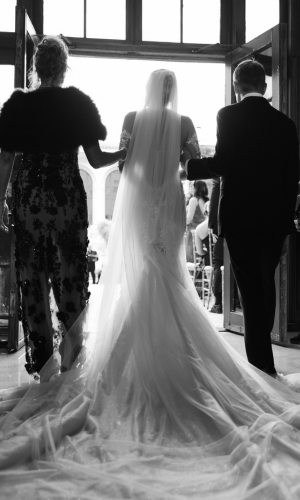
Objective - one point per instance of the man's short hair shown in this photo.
(250, 76)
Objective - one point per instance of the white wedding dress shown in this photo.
(156, 405)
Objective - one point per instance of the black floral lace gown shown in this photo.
(50, 212)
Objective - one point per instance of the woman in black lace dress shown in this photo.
(48, 125)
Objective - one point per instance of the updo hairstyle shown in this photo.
(49, 62)
(168, 83)
(161, 90)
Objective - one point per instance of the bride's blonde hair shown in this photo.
(50, 61)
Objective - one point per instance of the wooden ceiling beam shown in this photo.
(167, 51)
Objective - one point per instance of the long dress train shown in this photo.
(156, 405)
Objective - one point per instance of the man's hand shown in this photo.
(182, 174)
(186, 166)
(185, 156)
(214, 236)
(4, 217)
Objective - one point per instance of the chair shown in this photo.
(194, 267)
(208, 274)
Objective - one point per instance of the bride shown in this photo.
(156, 405)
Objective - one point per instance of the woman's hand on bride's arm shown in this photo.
(98, 158)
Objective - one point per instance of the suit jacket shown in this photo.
(257, 157)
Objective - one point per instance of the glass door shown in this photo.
(270, 49)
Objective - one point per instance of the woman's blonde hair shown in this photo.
(50, 61)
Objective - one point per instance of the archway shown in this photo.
(111, 188)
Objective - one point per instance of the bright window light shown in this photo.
(7, 15)
(106, 19)
(63, 17)
(201, 21)
(6, 82)
(201, 90)
(161, 20)
(261, 15)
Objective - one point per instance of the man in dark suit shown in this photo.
(257, 155)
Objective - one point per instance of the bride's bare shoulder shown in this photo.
(187, 127)
(186, 122)
(129, 120)
(131, 115)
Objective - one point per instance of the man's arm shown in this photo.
(220, 164)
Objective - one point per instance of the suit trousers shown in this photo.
(254, 258)
(218, 257)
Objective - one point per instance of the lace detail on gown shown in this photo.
(157, 209)
(50, 211)
(125, 139)
(193, 141)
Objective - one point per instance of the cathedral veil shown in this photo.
(156, 404)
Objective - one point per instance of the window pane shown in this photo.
(161, 20)
(63, 17)
(7, 15)
(7, 74)
(261, 15)
(106, 19)
(201, 21)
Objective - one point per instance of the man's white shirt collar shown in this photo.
(251, 94)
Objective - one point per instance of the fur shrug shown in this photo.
(49, 120)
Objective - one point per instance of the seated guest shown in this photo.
(201, 236)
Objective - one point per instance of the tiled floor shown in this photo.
(13, 373)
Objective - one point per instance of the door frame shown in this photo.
(24, 33)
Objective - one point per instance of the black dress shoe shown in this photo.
(217, 309)
(270, 370)
(295, 340)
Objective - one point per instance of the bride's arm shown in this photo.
(190, 148)
(126, 134)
